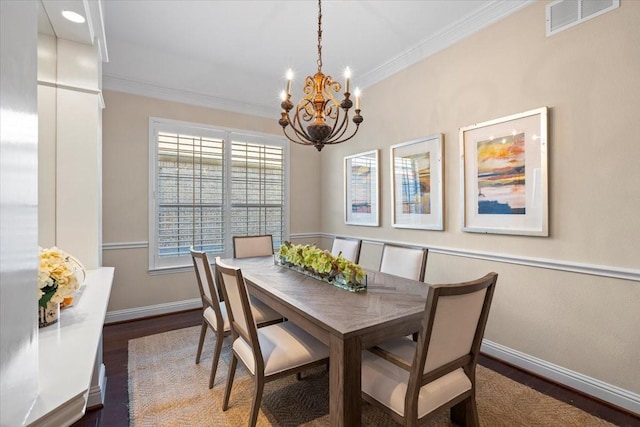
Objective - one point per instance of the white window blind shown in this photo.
(257, 188)
(207, 185)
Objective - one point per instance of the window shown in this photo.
(208, 185)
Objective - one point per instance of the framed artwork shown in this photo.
(416, 183)
(361, 189)
(503, 172)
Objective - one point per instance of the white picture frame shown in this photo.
(503, 175)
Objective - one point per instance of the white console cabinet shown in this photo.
(71, 373)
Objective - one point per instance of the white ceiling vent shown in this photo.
(563, 14)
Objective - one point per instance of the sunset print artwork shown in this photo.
(501, 176)
(361, 185)
(413, 174)
(416, 183)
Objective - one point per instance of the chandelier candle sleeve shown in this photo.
(347, 75)
(289, 78)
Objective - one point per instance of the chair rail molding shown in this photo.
(124, 245)
(551, 264)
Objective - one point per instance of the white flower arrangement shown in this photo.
(57, 279)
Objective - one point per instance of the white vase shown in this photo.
(48, 315)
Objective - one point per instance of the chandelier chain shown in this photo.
(319, 36)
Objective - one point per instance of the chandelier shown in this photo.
(329, 118)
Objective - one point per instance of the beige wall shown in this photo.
(589, 76)
(125, 197)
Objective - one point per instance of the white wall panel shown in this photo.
(78, 195)
(70, 112)
(18, 211)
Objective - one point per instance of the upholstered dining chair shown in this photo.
(404, 261)
(348, 247)
(249, 246)
(268, 353)
(413, 381)
(214, 313)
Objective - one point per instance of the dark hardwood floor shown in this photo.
(115, 344)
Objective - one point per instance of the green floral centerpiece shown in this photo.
(318, 263)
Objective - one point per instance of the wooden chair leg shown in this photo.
(216, 357)
(465, 413)
(257, 399)
(232, 372)
(203, 332)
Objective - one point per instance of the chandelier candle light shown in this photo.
(319, 105)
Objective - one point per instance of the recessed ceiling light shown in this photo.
(73, 16)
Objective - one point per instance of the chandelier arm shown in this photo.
(296, 139)
(336, 133)
(297, 127)
(344, 140)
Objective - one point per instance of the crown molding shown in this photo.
(493, 12)
(137, 87)
(452, 34)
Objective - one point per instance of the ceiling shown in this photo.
(234, 54)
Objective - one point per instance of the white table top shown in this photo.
(67, 352)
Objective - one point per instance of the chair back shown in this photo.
(250, 246)
(206, 283)
(404, 261)
(452, 329)
(349, 248)
(239, 311)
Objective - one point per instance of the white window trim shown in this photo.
(180, 264)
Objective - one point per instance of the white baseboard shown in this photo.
(97, 392)
(606, 392)
(151, 310)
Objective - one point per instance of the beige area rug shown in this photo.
(167, 388)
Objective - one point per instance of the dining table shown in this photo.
(347, 322)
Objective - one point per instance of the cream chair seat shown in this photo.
(349, 248)
(214, 313)
(414, 380)
(388, 383)
(268, 353)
